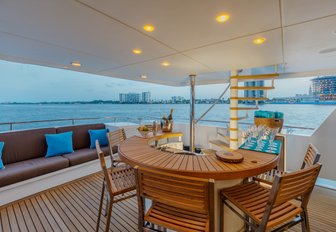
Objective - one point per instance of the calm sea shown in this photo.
(296, 115)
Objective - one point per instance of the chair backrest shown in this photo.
(293, 185)
(312, 157)
(115, 138)
(186, 193)
(102, 162)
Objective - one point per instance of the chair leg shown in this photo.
(221, 216)
(305, 221)
(109, 214)
(100, 207)
(107, 201)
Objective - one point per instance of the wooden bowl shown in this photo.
(229, 157)
(144, 133)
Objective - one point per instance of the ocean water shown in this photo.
(296, 115)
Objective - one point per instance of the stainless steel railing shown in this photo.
(139, 120)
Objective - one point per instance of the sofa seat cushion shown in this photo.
(84, 155)
(23, 170)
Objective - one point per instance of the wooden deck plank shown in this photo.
(40, 214)
(19, 217)
(37, 223)
(68, 204)
(116, 212)
(57, 218)
(26, 216)
(67, 211)
(57, 209)
(4, 220)
(12, 219)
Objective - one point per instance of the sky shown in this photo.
(31, 83)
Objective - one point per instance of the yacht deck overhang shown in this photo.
(300, 37)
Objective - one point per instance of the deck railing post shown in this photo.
(192, 112)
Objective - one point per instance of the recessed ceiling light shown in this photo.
(76, 64)
(137, 51)
(165, 63)
(222, 18)
(259, 40)
(143, 76)
(149, 28)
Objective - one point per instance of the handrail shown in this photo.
(213, 105)
(139, 120)
(250, 123)
(72, 120)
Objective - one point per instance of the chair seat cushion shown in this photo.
(23, 170)
(84, 155)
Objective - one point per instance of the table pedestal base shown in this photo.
(232, 223)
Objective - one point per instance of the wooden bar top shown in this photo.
(136, 151)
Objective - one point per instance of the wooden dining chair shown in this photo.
(178, 203)
(114, 139)
(117, 182)
(264, 208)
(311, 157)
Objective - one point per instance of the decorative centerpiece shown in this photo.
(145, 130)
(167, 123)
(229, 157)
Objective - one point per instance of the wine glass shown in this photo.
(272, 137)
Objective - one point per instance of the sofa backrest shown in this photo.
(25, 144)
(80, 137)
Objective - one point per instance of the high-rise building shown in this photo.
(254, 93)
(324, 85)
(146, 97)
(324, 88)
(122, 97)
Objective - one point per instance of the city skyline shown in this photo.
(31, 83)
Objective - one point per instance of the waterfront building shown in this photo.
(129, 97)
(146, 97)
(324, 87)
(122, 97)
(254, 93)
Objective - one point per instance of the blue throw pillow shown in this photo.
(59, 144)
(1, 163)
(101, 135)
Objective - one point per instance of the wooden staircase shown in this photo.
(245, 78)
(219, 143)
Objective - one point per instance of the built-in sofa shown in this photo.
(24, 152)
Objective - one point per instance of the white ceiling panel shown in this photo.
(71, 25)
(191, 23)
(311, 46)
(35, 52)
(101, 35)
(241, 53)
(176, 74)
(297, 11)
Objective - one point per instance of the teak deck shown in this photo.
(74, 207)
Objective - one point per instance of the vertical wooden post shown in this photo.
(234, 113)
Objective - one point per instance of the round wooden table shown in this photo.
(136, 151)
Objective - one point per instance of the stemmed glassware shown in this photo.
(259, 134)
